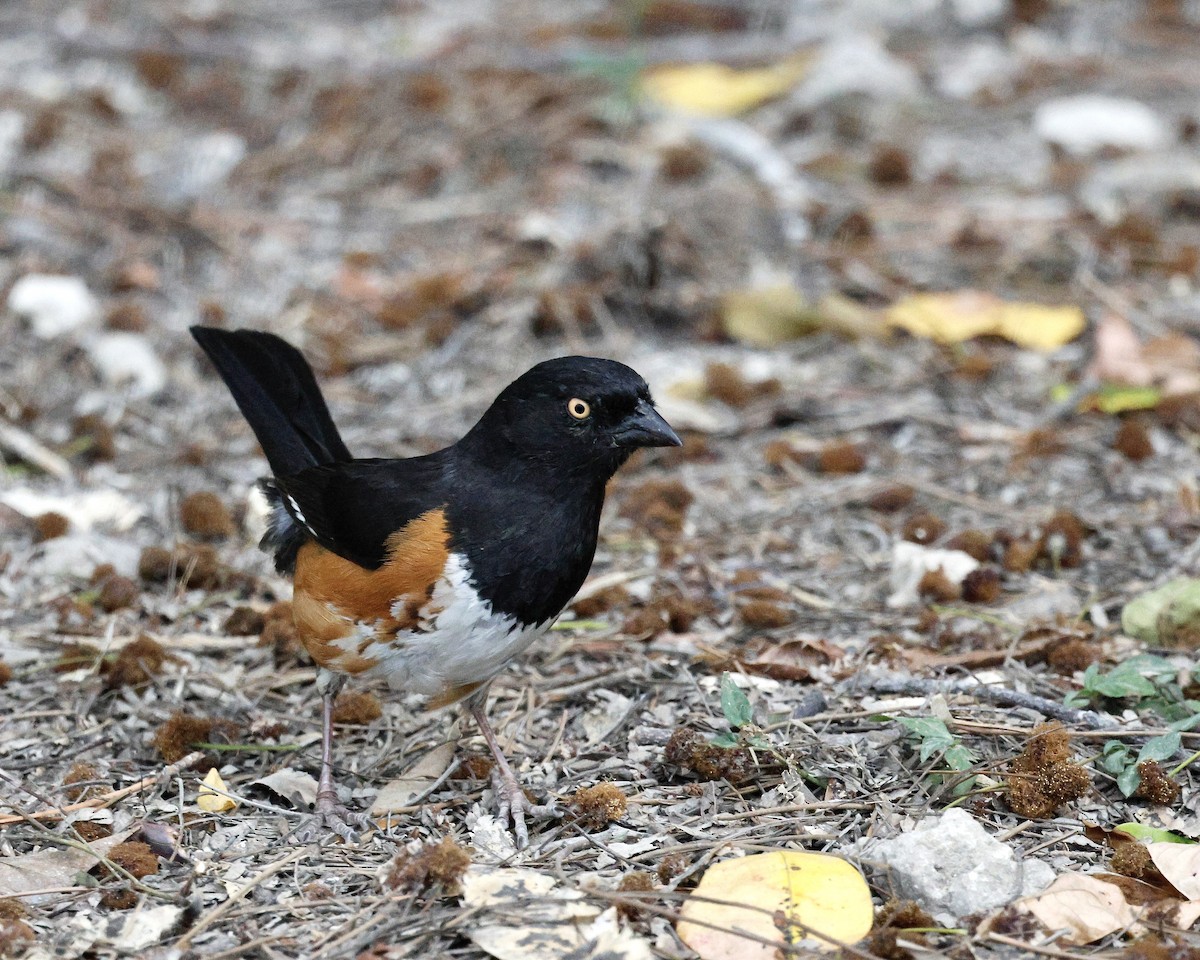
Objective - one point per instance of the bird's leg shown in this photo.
(329, 809)
(511, 800)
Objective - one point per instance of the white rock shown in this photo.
(856, 63)
(1084, 124)
(984, 66)
(953, 867)
(54, 304)
(1145, 183)
(911, 561)
(77, 554)
(978, 13)
(85, 509)
(128, 358)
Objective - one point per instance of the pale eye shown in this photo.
(579, 409)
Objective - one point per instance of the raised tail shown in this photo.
(275, 389)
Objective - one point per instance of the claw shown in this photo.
(512, 804)
(332, 814)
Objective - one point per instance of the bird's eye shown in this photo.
(579, 409)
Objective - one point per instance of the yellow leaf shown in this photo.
(850, 318)
(768, 316)
(209, 799)
(715, 90)
(824, 900)
(1112, 399)
(955, 317)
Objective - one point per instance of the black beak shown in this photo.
(645, 427)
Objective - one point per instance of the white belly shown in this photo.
(459, 640)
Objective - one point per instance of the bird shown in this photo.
(433, 572)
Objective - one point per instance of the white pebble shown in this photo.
(54, 304)
(1084, 124)
(127, 358)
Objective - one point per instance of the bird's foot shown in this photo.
(512, 804)
(332, 814)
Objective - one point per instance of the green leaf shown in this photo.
(1114, 758)
(1189, 722)
(734, 703)
(1128, 780)
(1160, 748)
(726, 740)
(1123, 680)
(959, 757)
(932, 734)
(1160, 616)
(1139, 831)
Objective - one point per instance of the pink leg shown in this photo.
(511, 800)
(330, 811)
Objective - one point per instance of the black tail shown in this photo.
(275, 389)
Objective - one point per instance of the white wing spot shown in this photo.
(298, 513)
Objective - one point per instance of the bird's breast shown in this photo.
(417, 621)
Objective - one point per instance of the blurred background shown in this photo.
(383, 180)
(744, 200)
(905, 275)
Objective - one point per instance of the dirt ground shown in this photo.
(427, 198)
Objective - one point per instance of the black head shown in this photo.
(575, 414)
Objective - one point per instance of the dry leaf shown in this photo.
(768, 316)
(1169, 363)
(296, 787)
(528, 915)
(1180, 864)
(813, 892)
(135, 932)
(850, 318)
(402, 791)
(793, 660)
(715, 90)
(1085, 907)
(52, 867)
(962, 315)
(209, 799)
(1118, 357)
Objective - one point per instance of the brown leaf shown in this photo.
(789, 659)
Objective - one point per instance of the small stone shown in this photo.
(953, 867)
(1086, 124)
(127, 358)
(857, 64)
(54, 304)
(985, 67)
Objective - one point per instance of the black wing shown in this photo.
(352, 508)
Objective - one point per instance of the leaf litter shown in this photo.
(740, 686)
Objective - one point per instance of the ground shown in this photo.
(426, 198)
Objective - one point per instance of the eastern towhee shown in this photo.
(433, 572)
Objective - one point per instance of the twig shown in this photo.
(58, 813)
(1034, 948)
(998, 695)
(33, 451)
(236, 897)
